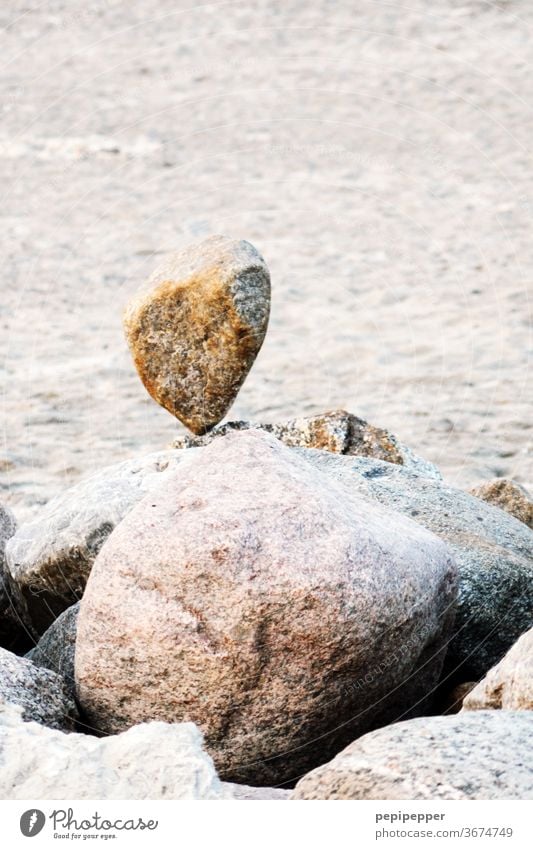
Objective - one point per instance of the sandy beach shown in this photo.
(377, 154)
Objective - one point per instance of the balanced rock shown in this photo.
(509, 685)
(41, 694)
(337, 431)
(152, 761)
(195, 330)
(55, 649)
(51, 557)
(482, 755)
(16, 630)
(270, 605)
(493, 552)
(507, 495)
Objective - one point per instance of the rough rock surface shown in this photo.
(16, 631)
(337, 431)
(42, 694)
(509, 685)
(279, 611)
(195, 330)
(493, 551)
(51, 557)
(508, 495)
(468, 756)
(152, 761)
(254, 794)
(55, 649)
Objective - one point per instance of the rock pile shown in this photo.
(278, 593)
(279, 611)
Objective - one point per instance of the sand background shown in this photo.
(376, 153)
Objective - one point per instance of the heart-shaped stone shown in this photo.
(196, 328)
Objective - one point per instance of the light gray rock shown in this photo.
(16, 631)
(152, 761)
(337, 431)
(41, 694)
(51, 557)
(509, 685)
(244, 793)
(493, 551)
(482, 755)
(196, 328)
(278, 610)
(55, 649)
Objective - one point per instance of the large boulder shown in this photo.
(55, 649)
(507, 495)
(196, 328)
(16, 630)
(51, 557)
(278, 610)
(483, 755)
(493, 551)
(152, 761)
(336, 431)
(41, 694)
(509, 685)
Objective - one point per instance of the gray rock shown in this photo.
(41, 694)
(275, 608)
(51, 558)
(482, 755)
(196, 328)
(55, 649)
(16, 630)
(507, 495)
(152, 761)
(493, 552)
(509, 685)
(242, 792)
(337, 431)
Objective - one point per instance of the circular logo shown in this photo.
(32, 822)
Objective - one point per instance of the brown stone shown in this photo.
(507, 495)
(195, 330)
(256, 597)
